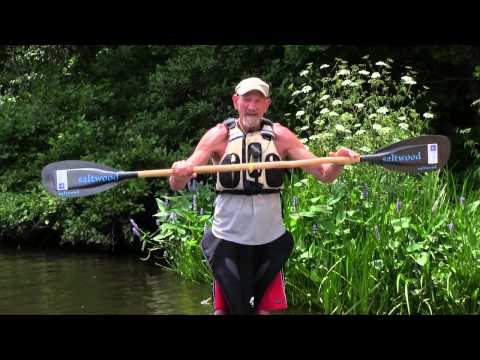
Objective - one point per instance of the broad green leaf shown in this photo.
(415, 247)
(473, 206)
(328, 225)
(325, 209)
(422, 258)
(307, 214)
(316, 199)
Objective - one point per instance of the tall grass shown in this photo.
(396, 250)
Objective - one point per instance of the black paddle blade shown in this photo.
(418, 155)
(76, 178)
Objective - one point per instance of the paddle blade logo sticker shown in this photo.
(62, 180)
(432, 153)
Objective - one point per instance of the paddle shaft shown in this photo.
(207, 169)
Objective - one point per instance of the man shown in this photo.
(248, 244)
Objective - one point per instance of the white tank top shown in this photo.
(248, 219)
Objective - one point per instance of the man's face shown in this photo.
(251, 107)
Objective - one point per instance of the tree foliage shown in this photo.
(144, 107)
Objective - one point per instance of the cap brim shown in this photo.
(246, 90)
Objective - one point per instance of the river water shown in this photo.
(54, 282)
(60, 282)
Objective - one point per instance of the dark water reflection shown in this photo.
(60, 282)
(34, 282)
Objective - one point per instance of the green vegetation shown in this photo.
(374, 241)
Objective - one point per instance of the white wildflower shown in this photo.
(333, 113)
(324, 111)
(343, 72)
(403, 126)
(324, 97)
(303, 128)
(381, 63)
(364, 72)
(304, 73)
(360, 105)
(346, 82)
(300, 113)
(382, 110)
(371, 116)
(408, 80)
(427, 115)
(375, 75)
(306, 89)
(324, 66)
(377, 127)
(384, 130)
(340, 128)
(296, 92)
(347, 117)
(336, 102)
(359, 132)
(328, 135)
(402, 118)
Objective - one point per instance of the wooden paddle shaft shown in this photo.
(207, 169)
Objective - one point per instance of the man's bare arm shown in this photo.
(210, 144)
(290, 146)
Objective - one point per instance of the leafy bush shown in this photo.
(128, 107)
(362, 106)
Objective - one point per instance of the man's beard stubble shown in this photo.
(251, 122)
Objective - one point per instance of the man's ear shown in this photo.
(269, 102)
(235, 101)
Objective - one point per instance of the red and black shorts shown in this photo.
(274, 298)
(247, 278)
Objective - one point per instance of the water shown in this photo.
(43, 283)
(58, 282)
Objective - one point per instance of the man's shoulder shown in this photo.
(280, 131)
(285, 139)
(217, 133)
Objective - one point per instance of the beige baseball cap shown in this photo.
(252, 83)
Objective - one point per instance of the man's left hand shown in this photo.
(343, 151)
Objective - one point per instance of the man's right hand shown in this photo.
(183, 169)
(182, 173)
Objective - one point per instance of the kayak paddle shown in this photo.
(76, 178)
